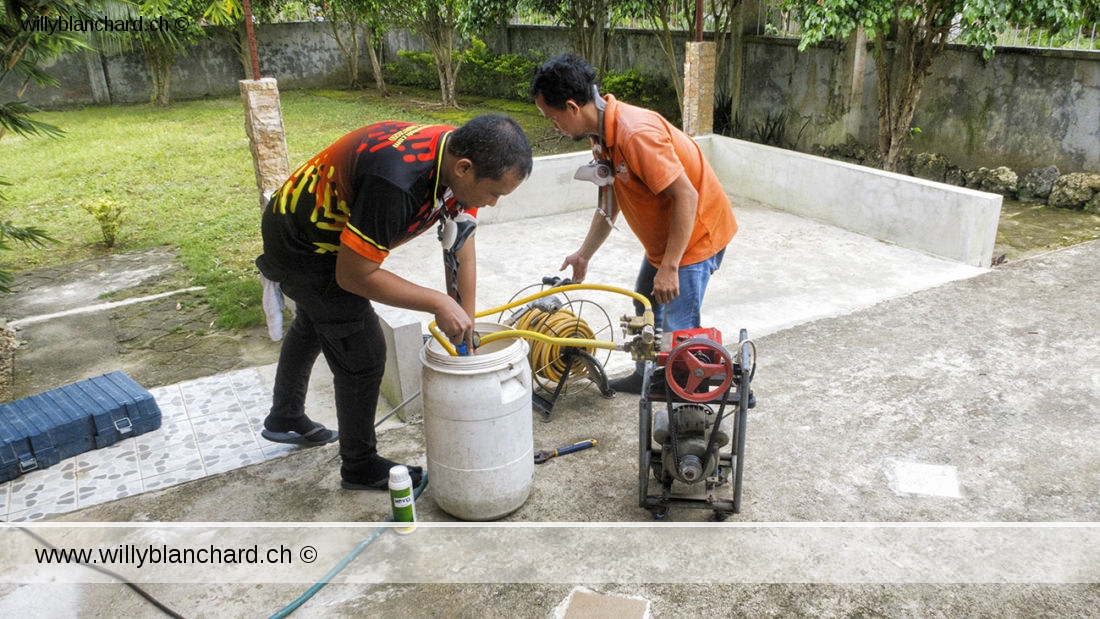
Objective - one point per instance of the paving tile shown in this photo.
(121, 455)
(5, 495)
(174, 477)
(50, 490)
(103, 488)
(34, 514)
(168, 396)
(205, 396)
(171, 448)
(208, 426)
(224, 432)
(270, 449)
(227, 460)
(276, 450)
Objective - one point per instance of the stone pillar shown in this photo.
(699, 69)
(263, 122)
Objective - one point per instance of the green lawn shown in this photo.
(184, 177)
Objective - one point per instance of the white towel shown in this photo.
(273, 308)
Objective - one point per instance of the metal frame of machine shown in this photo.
(680, 448)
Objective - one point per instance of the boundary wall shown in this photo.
(1022, 108)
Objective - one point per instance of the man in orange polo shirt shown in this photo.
(656, 176)
(326, 233)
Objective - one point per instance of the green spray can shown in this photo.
(401, 498)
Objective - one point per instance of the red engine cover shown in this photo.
(678, 337)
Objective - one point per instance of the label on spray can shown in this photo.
(402, 502)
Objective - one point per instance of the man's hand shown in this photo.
(367, 279)
(579, 264)
(666, 284)
(454, 322)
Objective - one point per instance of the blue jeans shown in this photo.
(685, 310)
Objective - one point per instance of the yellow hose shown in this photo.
(534, 335)
(546, 359)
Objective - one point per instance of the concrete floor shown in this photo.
(923, 446)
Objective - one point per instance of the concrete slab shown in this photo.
(995, 377)
(955, 402)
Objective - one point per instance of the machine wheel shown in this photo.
(691, 367)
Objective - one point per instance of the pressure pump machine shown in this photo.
(695, 396)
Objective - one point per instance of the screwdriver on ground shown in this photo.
(543, 455)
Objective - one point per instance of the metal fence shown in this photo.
(1082, 39)
(680, 11)
(774, 21)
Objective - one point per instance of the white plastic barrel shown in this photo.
(477, 427)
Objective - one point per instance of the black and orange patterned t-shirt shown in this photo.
(373, 189)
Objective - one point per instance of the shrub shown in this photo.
(725, 121)
(108, 214)
(506, 76)
(415, 69)
(648, 91)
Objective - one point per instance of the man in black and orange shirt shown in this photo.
(327, 232)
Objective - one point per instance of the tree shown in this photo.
(908, 36)
(230, 14)
(591, 24)
(24, 46)
(447, 26)
(177, 27)
(348, 19)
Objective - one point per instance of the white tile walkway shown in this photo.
(208, 425)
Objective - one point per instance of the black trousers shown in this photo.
(345, 328)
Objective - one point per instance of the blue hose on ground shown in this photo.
(302, 599)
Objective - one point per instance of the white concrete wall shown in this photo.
(548, 191)
(934, 218)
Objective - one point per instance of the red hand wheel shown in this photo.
(693, 365)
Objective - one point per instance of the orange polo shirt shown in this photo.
(648, 153)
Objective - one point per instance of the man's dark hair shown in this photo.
(562, 78)
(494, 143)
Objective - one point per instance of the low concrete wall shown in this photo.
(934, 218)
(549, 190)
(937, 219)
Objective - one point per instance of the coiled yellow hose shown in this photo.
(534, 335)
(547, 363)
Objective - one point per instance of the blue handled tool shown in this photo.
(544, 455)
